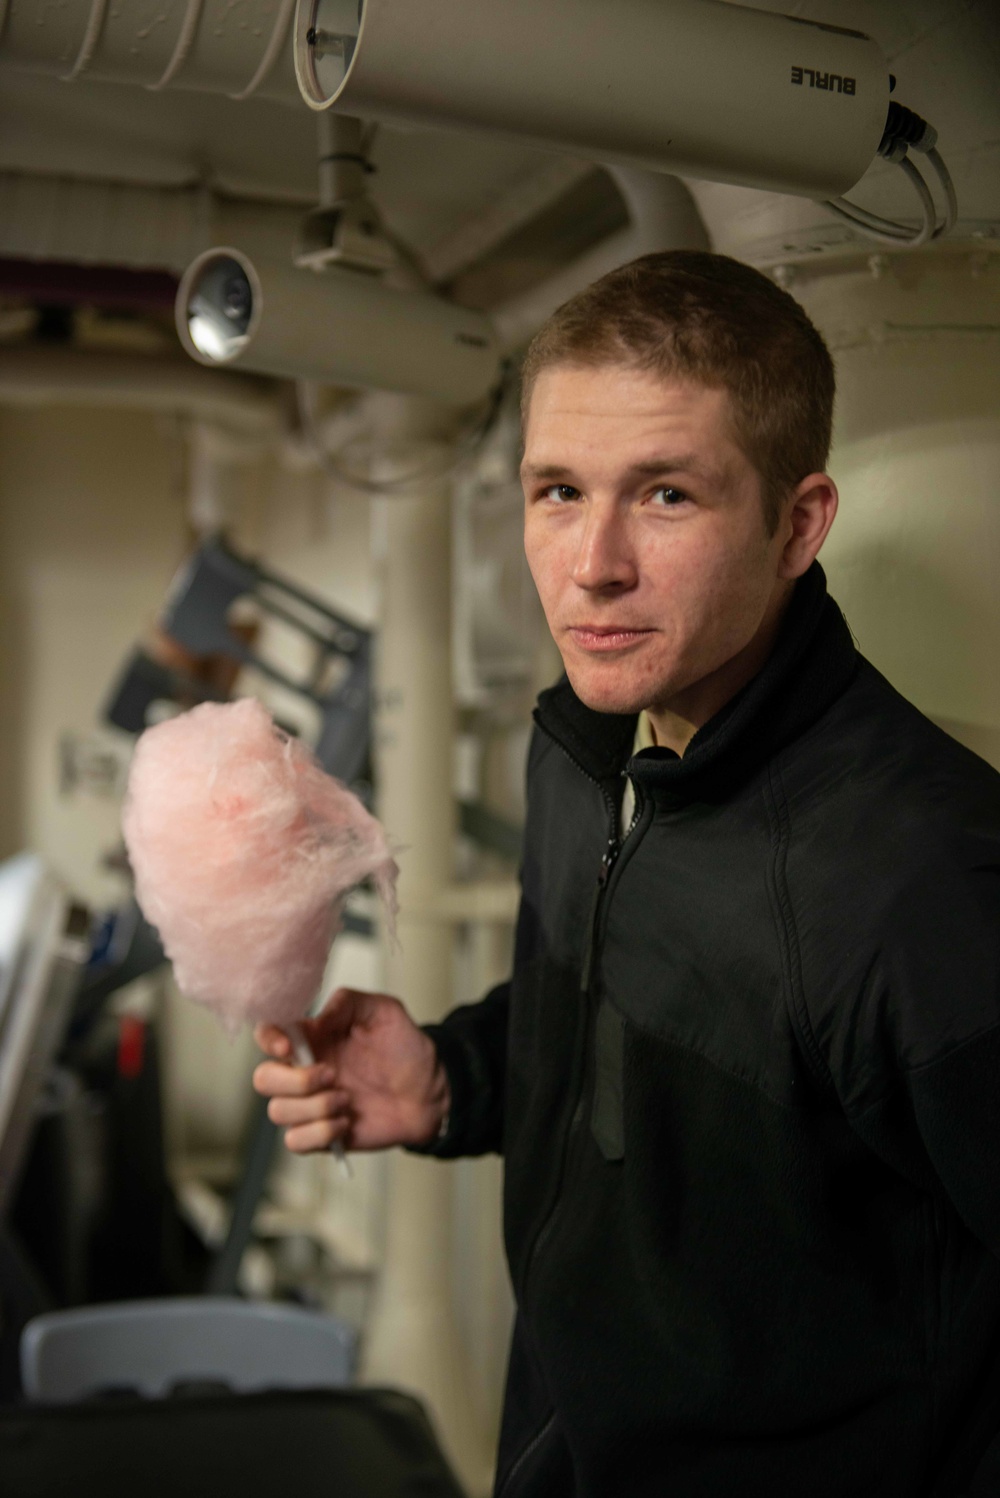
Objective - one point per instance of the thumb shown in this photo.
(335, 1019)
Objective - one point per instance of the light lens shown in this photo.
(220, 309)
(331, 39)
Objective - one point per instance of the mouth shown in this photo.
(604, 638)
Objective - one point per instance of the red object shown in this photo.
(131, 1046)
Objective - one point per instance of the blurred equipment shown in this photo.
(200, 649)
(43, 946)
(92, 1210)
(257, 1386)
(155, 1347)
(343, 326)
(346, 229)
(355, 1443)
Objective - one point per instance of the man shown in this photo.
(745, 1076)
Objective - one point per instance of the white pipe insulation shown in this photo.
(213, 46)
(663, 216)
(39, 376)
(912, 558)
(413, 1340)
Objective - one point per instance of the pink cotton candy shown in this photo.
(243, 849)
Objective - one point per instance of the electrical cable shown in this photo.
(948, 186)
(904, 131)
(888, 231)
(460, 452)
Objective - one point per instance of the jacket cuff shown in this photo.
(448, 1144)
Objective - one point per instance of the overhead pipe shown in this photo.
(137, 382)
(134, 226)
(663, 216)
(209, 45)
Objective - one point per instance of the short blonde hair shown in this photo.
(707, 318)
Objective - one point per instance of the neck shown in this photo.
(676, 721)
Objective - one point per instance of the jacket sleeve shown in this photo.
(472, 1044)
(947, 976)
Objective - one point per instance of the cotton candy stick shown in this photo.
(303, 1053)
(243, 850)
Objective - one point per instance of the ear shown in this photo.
(809, 516)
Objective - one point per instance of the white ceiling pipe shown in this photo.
(90, 222)
(79, 377)
(102, 223)
(663, 217)
(209, 45)
(523, 200)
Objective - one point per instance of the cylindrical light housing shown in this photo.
(696, 87)
(340, 327)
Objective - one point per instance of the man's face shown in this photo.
(645, 533)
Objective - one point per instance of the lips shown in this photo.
(597, 639)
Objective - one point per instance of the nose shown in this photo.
(604, 560)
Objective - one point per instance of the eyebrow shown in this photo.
(648, 468)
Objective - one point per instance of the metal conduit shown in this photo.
(208, 45)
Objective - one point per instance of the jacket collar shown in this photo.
(812, 663)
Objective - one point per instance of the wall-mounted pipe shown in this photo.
(208, 45)
(413, 1339)
(912, 556)
(663, 216)
(79, 377)
(131, 225)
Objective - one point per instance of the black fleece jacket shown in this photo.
(746, 1078)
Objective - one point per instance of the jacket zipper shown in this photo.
(608, 860)
(524, 1454)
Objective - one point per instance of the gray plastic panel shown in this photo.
(153, 1346)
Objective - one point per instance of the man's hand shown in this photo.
(377, 1080)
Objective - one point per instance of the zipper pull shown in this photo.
(607, 864)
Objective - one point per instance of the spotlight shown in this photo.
(341, 327)
(696, 87)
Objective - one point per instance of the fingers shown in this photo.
(310, 1138)
(276, 1079)
(312, 1120)
(336, 1017)
(290, 1112)
(272, 1041)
